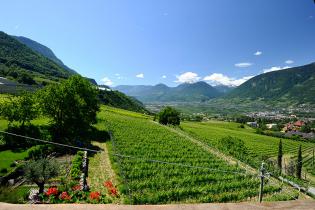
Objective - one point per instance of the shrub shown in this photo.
(4, 170)
(13, 164)
(76, 168)
(169, 116)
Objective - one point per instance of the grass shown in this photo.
(7, 157)
(14, 195)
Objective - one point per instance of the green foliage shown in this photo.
(16, 58)
(72, 105)
(76, 167)
(14, 195)
(120, 100)
(26, 79)
(299, 163)
(280, 154)
(21, 108)
(17, 142)
(40, 151)
(156, 183)
(306, 128)
(40, 171)
(43, 50)
(169, 116)
(236, 148)
(261, 147)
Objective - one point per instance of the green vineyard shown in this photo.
(157, 166)
(259, 146)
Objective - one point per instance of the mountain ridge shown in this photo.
(296, 85)
(43, 50)
(199, 91)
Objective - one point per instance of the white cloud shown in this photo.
(107, 81)
(117, 75)
(141, 75)
(275, 68)
(258, 53)
(289, 61)
(220, 79)
(243, 65)
(187, 77)
(164, 76)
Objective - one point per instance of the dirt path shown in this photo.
(100, 169)
(285, 205)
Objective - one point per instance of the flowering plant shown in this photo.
(95, 196)
(52, 191)
(65, 196)
(76, 187)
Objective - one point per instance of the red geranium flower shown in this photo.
(108, 184)
(76, 187)
(65, 196)
(95, 196)
(52, 191)
(113, 191)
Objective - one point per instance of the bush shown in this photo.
(169, 116)
(76, 168)
(13, 164)
(39, 151)
(18, 142)
(4, 171)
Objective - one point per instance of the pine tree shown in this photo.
(299, 164)
(280, 154)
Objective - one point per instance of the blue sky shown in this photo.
(168, 41)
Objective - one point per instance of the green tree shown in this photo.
(72, 105)
(41, 171)
(21, 109)
(26, 79)
(299, 164)
(280, 154)
(306, 128)
(170, 116)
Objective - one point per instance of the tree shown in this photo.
(299, 164)
(170, 116)
(26, 79)
(72, 106)
(21, 109)
(280, 154)
(40, 172)
(306, 128)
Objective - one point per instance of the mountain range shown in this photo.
(293, 85)
(199, 91)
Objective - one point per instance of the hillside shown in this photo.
(120, 100)
(199, 91)
(43, 50)
(294, 85)
(17, 59)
